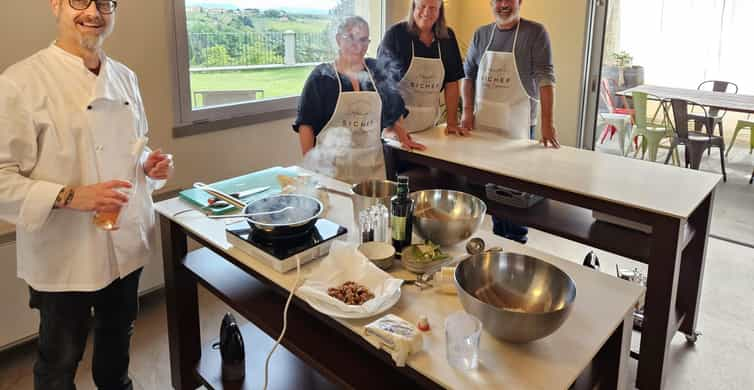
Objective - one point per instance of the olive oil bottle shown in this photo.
(400, 220)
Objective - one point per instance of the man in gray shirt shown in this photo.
(533, 60)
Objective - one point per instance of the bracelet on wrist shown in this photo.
(60, 198)
(69, 197)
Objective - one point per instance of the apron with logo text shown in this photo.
(420, 89)
(349, 147)
(502, 103)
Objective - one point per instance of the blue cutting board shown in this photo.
(263, 178)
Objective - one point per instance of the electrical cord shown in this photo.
(285, 322)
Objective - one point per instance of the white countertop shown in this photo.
(554, 362)
(654, 187)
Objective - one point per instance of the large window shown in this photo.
(241, 58)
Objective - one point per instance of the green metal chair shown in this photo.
(743, 124)
(651, 131)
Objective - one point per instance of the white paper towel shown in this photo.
(346, 263)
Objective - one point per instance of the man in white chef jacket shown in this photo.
(73, 128)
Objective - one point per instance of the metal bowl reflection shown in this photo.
(518, 298)
(447, 217)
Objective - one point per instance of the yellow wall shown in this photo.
(566, 23)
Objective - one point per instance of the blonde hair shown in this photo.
(440, 28)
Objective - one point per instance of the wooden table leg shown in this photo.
(660, 308)
(391, 162)
(622, 347)
(609, 369)
(182, 308)
(692, 269)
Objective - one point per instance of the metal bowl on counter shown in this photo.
(446, 217)
(517, 297)
(368, 193)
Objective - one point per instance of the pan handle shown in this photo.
(336, 192)
(220, 195)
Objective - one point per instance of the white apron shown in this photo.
(349, 147)
(420, 89)
(502, 103)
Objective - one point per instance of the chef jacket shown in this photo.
(62, 125)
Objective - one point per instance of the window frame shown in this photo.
(189, 121)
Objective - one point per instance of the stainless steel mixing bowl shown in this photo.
(447, 217)
(518, 298)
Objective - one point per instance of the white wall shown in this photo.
(142, 40)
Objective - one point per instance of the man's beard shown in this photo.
(92, 42)
(511, 18)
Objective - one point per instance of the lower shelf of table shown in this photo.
(286, 370)
(318, 341)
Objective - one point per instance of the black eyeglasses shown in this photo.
(103, 6)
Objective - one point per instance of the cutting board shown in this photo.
(263, 178)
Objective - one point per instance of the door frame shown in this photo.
(590, 89)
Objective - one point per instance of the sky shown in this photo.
(264, 4)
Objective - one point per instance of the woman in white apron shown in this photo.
(340, 121)
(427, 54)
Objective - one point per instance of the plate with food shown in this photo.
(420, 258)
(346, 284)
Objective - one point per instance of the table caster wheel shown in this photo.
(692, 338)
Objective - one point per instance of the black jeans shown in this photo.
(65, 321)
(506, 228)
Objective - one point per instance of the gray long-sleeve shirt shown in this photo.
(533, 55)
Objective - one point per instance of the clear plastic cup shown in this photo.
(462, 333)
(107, 220)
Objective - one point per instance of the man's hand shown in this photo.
(467, 120)
(158, 165)
(454, 129)
(100, 197)
(549, 136)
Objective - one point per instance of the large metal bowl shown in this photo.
(447, 217)
(518, 298)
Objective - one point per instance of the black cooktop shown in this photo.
(323, 231)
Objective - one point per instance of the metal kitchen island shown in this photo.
(318, 351)
(675, 203)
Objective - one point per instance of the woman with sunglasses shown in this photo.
(343, 109)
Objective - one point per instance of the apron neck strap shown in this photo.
(492, 37)
(340, 85)
(515, 37)
(439, 49)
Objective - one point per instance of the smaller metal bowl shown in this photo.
(446, 217)
(518, 298)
